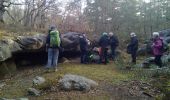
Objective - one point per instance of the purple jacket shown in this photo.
(157, 47)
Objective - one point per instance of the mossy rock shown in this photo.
(5, 52)
(7, 67)
(46, 85)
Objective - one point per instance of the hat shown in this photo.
(132, 34)
(155, 34)
(111, 33)
(52, 27)
(104, 33)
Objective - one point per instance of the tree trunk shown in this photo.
(1, 16)
(2, 11)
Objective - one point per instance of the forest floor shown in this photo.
(115, 83)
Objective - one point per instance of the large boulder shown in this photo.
(32, 42)
(74, 82)
(7, 47)
(70, 42)
(149, 61)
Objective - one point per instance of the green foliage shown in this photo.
(162, 82)
(128, 15)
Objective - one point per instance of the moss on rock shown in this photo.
(7, 67)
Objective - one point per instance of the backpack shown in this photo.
(54, 39)
(164, 47)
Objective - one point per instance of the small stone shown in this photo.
(65, 60)
(38, 80)
(6, 99)
(22, 99)
(33, 92)
(2, 85)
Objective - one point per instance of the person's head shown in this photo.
(111, 34)
(52, 28)
(132, 34)
(104, 34)
(155, 35)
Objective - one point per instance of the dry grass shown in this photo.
(18, 85)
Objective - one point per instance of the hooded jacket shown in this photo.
(133, 46)
(114, 41)
(104, 41)
(157, 47)
(83, 43)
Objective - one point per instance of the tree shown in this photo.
(4, 4)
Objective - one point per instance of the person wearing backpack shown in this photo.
(157, 48)
(113, 43)
(104, 43)
(133, 47)
(83, 41)
(53, 43)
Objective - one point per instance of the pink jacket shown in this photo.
(157, 47)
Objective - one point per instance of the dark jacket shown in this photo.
(133, 46)
(48, 38)
(114, 41)
(104, 41)
(83, 44)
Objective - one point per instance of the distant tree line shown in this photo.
(94, 16)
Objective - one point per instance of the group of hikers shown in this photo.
(106, 41)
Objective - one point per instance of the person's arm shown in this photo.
(117, 41)
(132, 42)
(61, 42)
(47, 41)
(100, 41)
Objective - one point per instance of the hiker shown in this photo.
(157, 48)
(104, 43)
(53, 43)
(113, 43)
(133, 47)
(83, 48)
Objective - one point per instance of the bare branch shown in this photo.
(12, 3)
(10, 15)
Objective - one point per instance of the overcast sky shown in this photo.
(65, 1)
